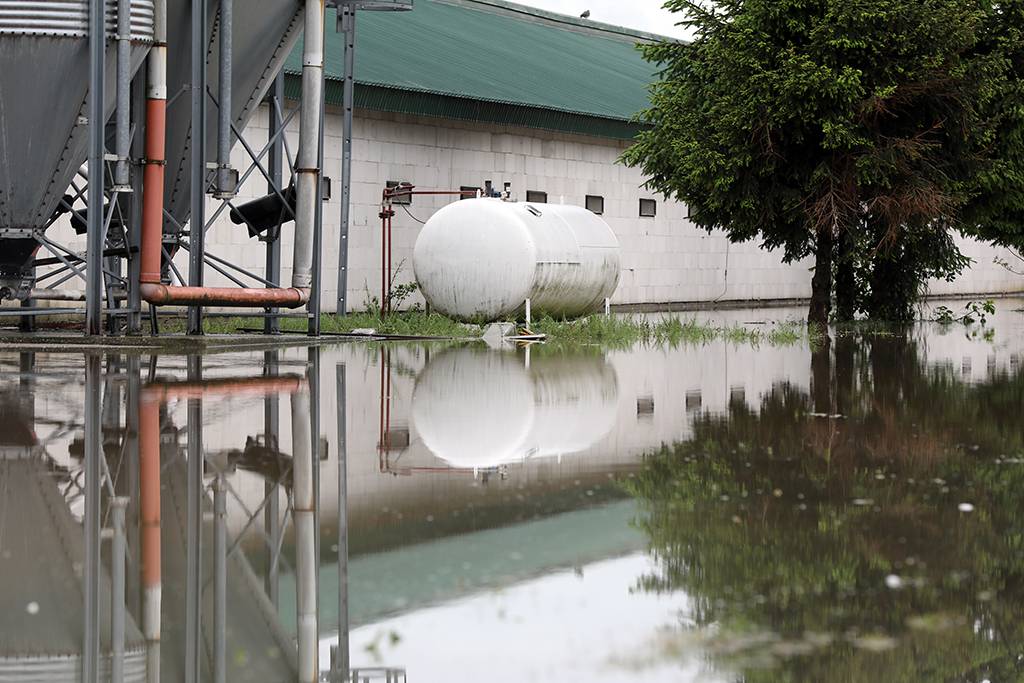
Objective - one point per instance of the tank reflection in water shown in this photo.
(483, 410)
(848, 513)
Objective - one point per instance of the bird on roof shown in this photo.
(585, 15)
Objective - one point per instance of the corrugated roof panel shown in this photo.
(476, 52)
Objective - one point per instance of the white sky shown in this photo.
(646, 15)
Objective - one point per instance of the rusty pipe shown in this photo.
(163, 295)
(149, 490)
(151, 289)
(155, 150)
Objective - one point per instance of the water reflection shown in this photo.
(698, 513)
(117, 560)
(866, 530)
(482, 410)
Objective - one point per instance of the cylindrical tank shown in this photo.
(44, 134)
(481, 259)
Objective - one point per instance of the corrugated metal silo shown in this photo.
(44, 50)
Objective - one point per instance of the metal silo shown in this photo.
(44, 50)
(263, 34)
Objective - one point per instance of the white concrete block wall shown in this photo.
(665, 259)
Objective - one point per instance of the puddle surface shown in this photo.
(718, 512)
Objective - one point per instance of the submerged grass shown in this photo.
(620, 331)
(614, 331)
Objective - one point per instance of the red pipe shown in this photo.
(149, 489)
(153, 191)
(383, 261)
(389, 265)
(161, 295)
(150, 288)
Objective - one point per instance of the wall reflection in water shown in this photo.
(235, 517)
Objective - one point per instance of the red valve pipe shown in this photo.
(150, 287)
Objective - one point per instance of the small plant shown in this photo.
(973, 312)
(399, 293)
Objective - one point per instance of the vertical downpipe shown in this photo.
(124, 84)
(307, 186)
(93, 488)
(224, 185)
(153, 175)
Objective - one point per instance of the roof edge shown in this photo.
(563, 21)
(440, 105)
(459, 96)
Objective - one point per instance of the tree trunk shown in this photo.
(846, 282)
(821, 283)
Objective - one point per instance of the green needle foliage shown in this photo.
(864, 133)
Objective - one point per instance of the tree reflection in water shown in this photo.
(870, 530)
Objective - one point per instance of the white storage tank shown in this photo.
(481, 259)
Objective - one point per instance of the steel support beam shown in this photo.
(220, 579)
(193, 582)
(342, 662)
(93, 477)
(272, 325)
(138, 151)
(197, 220)
(272, 512)
(347, 18)
(96, 235)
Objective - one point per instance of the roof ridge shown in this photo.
(567, 21)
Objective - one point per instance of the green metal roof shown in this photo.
(495, 62)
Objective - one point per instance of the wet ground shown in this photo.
(721, 512)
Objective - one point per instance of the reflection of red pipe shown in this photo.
(149, 481)
(241, 386)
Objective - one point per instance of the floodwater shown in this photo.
(714, 512)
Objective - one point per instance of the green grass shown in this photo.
(616, 331)
(412, 323)
(624, 331)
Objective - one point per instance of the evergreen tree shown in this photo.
(865, 133)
